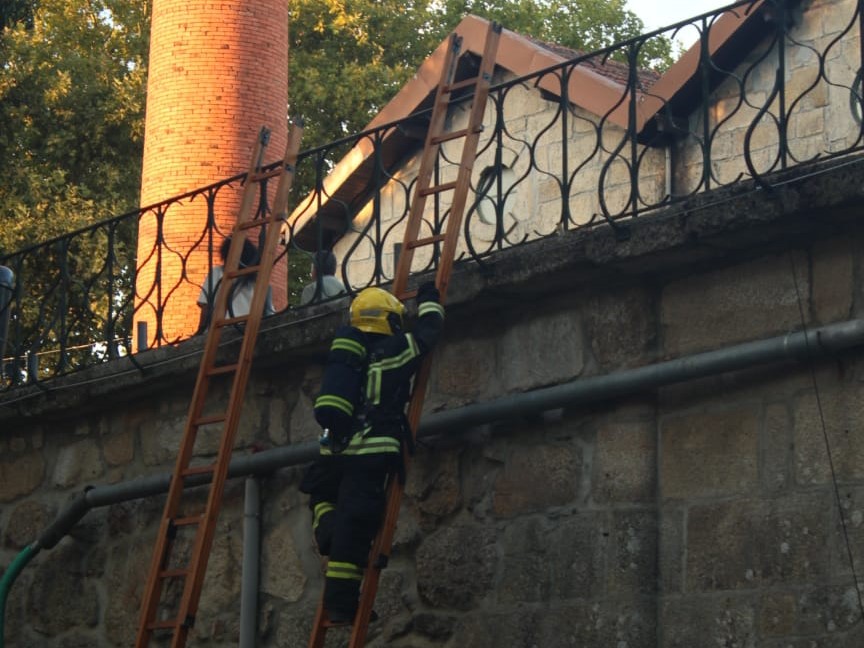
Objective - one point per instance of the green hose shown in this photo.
(9, 576)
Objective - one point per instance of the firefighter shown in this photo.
(361, 408)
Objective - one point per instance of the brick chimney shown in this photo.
(218, 72)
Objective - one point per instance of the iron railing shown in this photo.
(784, 90)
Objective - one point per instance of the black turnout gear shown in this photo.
(366, 386)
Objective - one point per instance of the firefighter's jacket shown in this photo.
(367, 383)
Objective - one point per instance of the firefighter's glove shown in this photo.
(428, 293)
(334, 440)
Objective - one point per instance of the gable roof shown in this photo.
(595, 84)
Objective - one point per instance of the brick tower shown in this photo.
(218, 72)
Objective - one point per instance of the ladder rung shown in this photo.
(224, 369)
(428, 191)
(450, 87)
(188, 521)
(257, 222)
(209, 420)
(267, 174)
(242, 272)
(230, 321)
(163, 625)
(173, 573)
(198, 470)
(455, 135)
(426, 241)
(407, 294)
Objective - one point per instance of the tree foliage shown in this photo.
(349, 58)
(72, 87)
(73, 80)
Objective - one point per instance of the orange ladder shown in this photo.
(436, 135)
(185, 537)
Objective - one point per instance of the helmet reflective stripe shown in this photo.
(344, 570)
(430, 307)
(321, 509)
(351, 346)
(330, 400)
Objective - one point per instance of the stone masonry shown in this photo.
(697, 515)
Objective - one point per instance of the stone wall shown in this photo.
(691, 516)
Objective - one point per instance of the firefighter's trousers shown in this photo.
(347, 498)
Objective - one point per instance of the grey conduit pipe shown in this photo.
(819, 342)
(251, 564)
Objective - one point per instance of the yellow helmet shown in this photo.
(374, 310)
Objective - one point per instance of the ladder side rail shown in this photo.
(204, 540)
(384, 540)
(206, 525)
(152, 591)
(427, 165)
(466, 167)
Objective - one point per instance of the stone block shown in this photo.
(79, 639)
(852, 527)
(833, 280)
(464, 370)
(217, 618)
(26, 520)
(778, 614)
(693, 620)
(21, 475)
(776, 449)
(126, 573)
(736, 304)
(625, 460)
(525, 566)
(536, 477)
(118, 448)
(830, 610)
(710, 452)
(437, 627)
(282, 574)
(576, 548)
(632, 566)
(621, 327)
(433, 483)
(302, 425)
(615, 623)
(671, 551)
(757, 543)
(160, 438)
(842, 411)
(456, 566)
(544, 350)
(496, 630)
(78, 463)
(60, 597)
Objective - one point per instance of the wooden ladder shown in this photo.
(470, 135)
(186, 534)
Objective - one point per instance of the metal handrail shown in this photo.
(74, 303)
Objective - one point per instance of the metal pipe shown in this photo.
(818, 342)
(7, 290)
(251, 564)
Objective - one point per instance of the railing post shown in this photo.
(7, 287)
